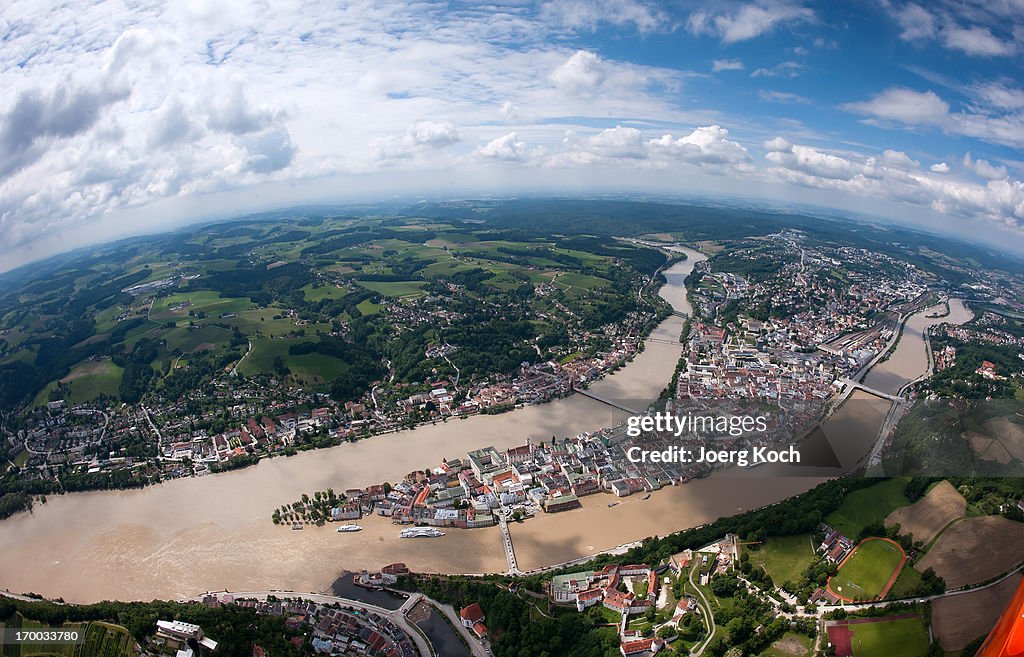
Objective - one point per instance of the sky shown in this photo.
(126, 117)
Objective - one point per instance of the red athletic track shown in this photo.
(892, 579)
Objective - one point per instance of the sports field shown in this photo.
(898, 636)
(869, 571)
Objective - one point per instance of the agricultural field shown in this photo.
(192, 300)
(957, 620)
(397, 289)
(931, 514)
(974, 550)
(784, 558)
(868, 505)
(867, 572)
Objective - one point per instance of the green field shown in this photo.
(84, 383)
(312, 368)
(906, 637)
(368, 307)
(784, 557)
(790, 645)
(323, 292)
(572, 279)
(868, 505)
(906, 584)
(206, 301)
(396, 288)
(865, 573)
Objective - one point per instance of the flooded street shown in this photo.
(188, 536)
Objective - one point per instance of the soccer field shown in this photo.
(866, 573)
(898, 638)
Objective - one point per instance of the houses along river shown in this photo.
(191, 535)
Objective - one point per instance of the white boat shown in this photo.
(421, 532)
(350, 528)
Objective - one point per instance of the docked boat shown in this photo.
(610, 505)
(421, 532)
(350, 528)
(646, 497)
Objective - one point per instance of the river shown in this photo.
(187, 536)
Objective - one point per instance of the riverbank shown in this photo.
(188, 535)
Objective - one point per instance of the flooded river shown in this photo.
(910, 360)
(192, 535)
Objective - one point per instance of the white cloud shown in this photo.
(1000, 95)
(727, 65)
(589, 14)
(749, 21)
(984, 169)
(917, 23)
(705, 145)
(899, 158)
(788, 69)
(582, 73)
(507, 147)
(976, 41)
(905, 106)
(966, 27)
(808, 160)
(914, 108)
(419, 138)
(783, 97)
(897, 178)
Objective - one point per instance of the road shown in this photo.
(709, 617)
(234, 369)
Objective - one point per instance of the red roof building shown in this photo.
(471, 615)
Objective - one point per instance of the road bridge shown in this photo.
(605, 400)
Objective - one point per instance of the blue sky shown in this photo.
(120, 120)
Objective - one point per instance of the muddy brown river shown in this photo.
(188, 536)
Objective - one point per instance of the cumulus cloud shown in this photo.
(38, 118)
(916, 108)
(233, 112)
(808, 160)
(270, 151)
(420, 137)
(983, 168)
(705, 145)
(506, 147)
(582, 73)
(898, 178)
(905, 106)
(748, 21)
